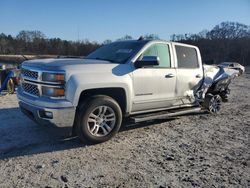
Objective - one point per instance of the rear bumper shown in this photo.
(61, 113)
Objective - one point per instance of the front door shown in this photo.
(155, 87)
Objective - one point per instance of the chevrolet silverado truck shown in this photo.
(138, 80)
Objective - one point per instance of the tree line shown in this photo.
(35, 42)
(228, 41)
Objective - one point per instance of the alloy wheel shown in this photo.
(215, 104)
(101, 121)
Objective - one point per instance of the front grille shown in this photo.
(31, 89)
(30, 74)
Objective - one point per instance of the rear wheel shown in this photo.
(10, 86)
(240, 72)
(213, 103)
(98, 120)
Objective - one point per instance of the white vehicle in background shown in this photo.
(233, 65)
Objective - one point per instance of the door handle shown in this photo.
(198, 76)
(169, 75)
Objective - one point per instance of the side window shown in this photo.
(151, 51)
(163, 54)
(162, 51)
(186, 57)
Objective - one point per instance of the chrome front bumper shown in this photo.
(61, 113)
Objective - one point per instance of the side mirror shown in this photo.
(147, 61)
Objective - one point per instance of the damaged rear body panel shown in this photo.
(217, 79)
(215, 86)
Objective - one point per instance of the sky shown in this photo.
(98, 20)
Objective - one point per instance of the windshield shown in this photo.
(117, 52)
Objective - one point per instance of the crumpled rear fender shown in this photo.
(216, 80)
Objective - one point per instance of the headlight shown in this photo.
(53, 77)
(53, 91)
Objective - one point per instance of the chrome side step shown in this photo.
(165, 114)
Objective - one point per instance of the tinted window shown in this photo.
(163, 54)
(162, 51)
(151, 51)
(118, 52)
(186, 57)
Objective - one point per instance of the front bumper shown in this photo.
(59, 116)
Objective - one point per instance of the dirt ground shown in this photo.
(200, 150)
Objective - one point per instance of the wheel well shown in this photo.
(117, 94)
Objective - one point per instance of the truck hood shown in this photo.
(74, 66)
(61, 63)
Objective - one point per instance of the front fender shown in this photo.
(78, 83)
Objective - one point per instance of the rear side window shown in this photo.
(186, 57)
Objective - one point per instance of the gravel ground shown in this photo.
(200, 150)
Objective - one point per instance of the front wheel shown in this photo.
(98, 120)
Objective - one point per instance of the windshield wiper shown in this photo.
(69, 56)
(104, 59)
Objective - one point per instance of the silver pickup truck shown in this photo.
(138, 80)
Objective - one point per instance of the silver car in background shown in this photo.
(233, 65)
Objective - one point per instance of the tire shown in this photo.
(212, 103)
(11, 86)
(2, 77)
(0, 80)
(98, 119)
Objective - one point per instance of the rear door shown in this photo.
(189, 71)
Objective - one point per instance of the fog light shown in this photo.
(45, 114)
(48, 114)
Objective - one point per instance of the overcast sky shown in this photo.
(98, 20)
